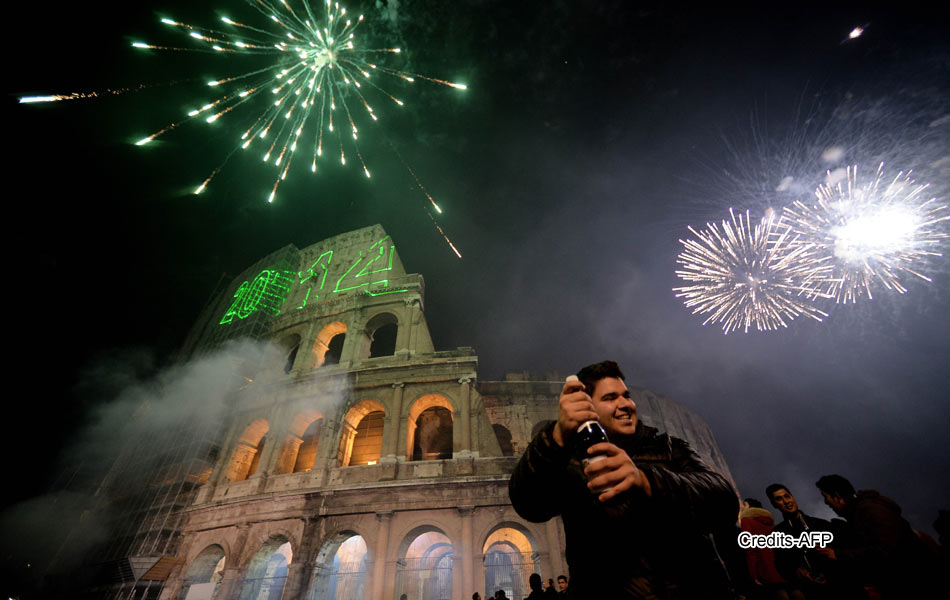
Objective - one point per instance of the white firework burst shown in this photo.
(746, 275)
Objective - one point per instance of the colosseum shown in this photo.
(363, 463)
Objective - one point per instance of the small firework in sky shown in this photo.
(876, 232)
(746, 275)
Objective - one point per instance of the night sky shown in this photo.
(592, 134)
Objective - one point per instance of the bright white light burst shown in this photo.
(876, 233)
(744, 275)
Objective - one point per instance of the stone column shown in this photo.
(383, 520)
(556, 557)
(393, 431)
(297, 576)
(465, 415)
(347, 433)
(468, 579)
(230, 586)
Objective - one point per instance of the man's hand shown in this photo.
(616, 471)
(574, 408)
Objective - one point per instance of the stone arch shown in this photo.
(511, 557)
(504, 439)
(361, 438)
(379, 336)
(424, 564)
(267, 570)
(329, 341)
(205, 571)
(300, 446)
(340, 567)
(247, 453)
(436, 433)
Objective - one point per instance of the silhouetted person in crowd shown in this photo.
(561, 587)
(476, 596)
(500, 595)
(882, 549)
(550, 593)
(534, 582)
(646, 532)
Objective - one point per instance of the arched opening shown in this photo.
(504, 439)
(328, 347)
(361, 442)
(510, 559)
(379, 336)
(424, 567)
(267, 571)
(384, 341)
(308, 447)
(340, 569)
(300, 446)
(204, 574)
(334, 350)
(289, 346)
(430, 429)
(247, 454)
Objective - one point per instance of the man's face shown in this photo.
(561, 583)
(783, 500)
(615, 410)
(834, 502)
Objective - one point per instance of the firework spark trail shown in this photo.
(746, 275)
(874, 233)
(318, 66)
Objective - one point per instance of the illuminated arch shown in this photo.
(510, 559)
(300, 446)
(267, 571)
(205, 571)
(424, 565)
(361, 441)
(325, 338)
(340, 568)
(435, 438)
(247, 453)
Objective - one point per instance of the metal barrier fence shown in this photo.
(510, 571)
(425, 578)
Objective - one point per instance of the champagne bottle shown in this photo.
(589, 433)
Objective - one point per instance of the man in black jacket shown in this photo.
(883, 548)
(645, 534)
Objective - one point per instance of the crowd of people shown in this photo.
(872, 552)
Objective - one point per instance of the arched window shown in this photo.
(430, 434)
(340, 570)
(379, 336)
(299, 448)
(433, 439)
(361, 441)
(334, 350)
(510, 559)
(247, 453)
(504, 439)
(205, 572)
(308, 449)
(267, 571)
(290, 345)
(328, 347)
(424, 568)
